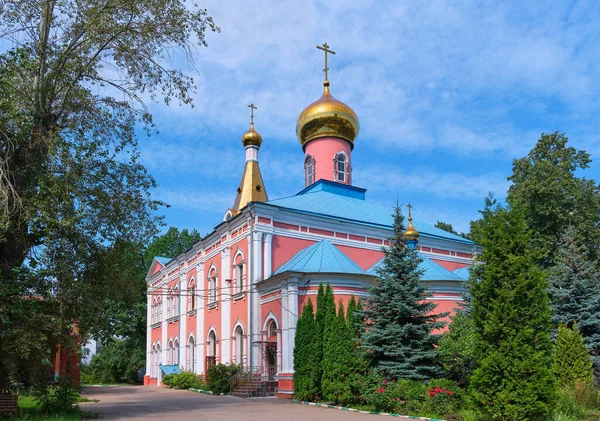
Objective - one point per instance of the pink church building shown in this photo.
(235, 296)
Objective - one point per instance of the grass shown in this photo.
(29, 409)
(84, 399)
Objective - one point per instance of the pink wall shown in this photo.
(284, 248)
(323, 150)
(362, 257)
(450, 265)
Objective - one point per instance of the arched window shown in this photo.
(192, 345)
(192, 296)
(158, 360)
(310, 169)
(239, 345)
(238, 268)
(211, 358)
(170, 353)
(176, 352)
(176, 301)
(341, 170)
(212, 286)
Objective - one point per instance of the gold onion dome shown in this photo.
(327, 117)
(251, 137)
(411, 233)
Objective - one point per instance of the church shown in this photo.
(236, 295)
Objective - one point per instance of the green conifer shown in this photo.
(574, 291)
(304, 354)
(572, 363)
(398, 336)
(317, 369)
(338, 359)
(513, 380)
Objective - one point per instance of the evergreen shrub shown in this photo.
(218, 377)
(60, 397)
(572, 363)
(184, 380)
(411, 396)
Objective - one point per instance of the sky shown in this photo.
(447, 94)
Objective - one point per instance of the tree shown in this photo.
(446, 227)
(72, 190)
(456, 349)
(553, 198)
(572, 363)
(304, 354)
(399, 317)
(338, 359)
(574, 291)
(511, 315)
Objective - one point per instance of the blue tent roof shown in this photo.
(348, 202)
(463, 273)
(322, 257)
(163, 260)
(432, 271)
(169, 369)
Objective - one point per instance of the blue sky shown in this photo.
(447, 94)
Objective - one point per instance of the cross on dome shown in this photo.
(252, 108)
(326, 49)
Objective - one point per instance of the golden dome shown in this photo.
(251, 137)
(327, 117)
(411, 233)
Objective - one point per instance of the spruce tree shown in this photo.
(338, 359)
(574, 291)
(572, 363)
(304, 354)
(513, 380)
(400, 319)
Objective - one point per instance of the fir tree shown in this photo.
(398, 335)
(338, 359)
(574, 291)
(572, 363)
(513, 380)
(304, 354)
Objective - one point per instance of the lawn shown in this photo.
(29, 409)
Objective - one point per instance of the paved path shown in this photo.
(134, 403)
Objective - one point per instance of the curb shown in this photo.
(206, 392)
(343, 408)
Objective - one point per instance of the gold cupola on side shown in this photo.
(327, 117)
(411, 235)
(252, 186)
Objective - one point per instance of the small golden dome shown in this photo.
(327, 117)
(411, 233)
(251, 137)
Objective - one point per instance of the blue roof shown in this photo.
(463, 273)
(347, 202)
(163, 260)
(322, 257)
(432, 271)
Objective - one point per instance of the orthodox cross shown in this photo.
(252, 108)
(409, 206)
(325, 48)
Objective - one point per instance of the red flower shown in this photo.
(380, 390)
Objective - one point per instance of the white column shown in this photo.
(268, 255)
(149, 334)
(163, 341)
(225, 306)
(282, 347)
(256, 316)
(200, 335)
(292, 306)
(182, 307)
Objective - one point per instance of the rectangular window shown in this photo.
(240, 277)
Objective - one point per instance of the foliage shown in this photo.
(183, 380)
(399, 317)
(117, 362)
(218, 376)
(567, 405)
(572, 363)
(574, 291)
(72, 190)
(553, 198)
(456, 349)
(60, 397)
(511, 315)
(411, 396)
(339, 359)
(304, 354)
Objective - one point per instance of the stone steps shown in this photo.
(256, 388)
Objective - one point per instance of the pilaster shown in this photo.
(200, 335)
(268, 255)
(225, 338)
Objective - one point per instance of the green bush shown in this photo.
(218, 377)
(183, 380)
(410, 396)
(567, 405)
(60, 397)
(572, 362)
(382, 398)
